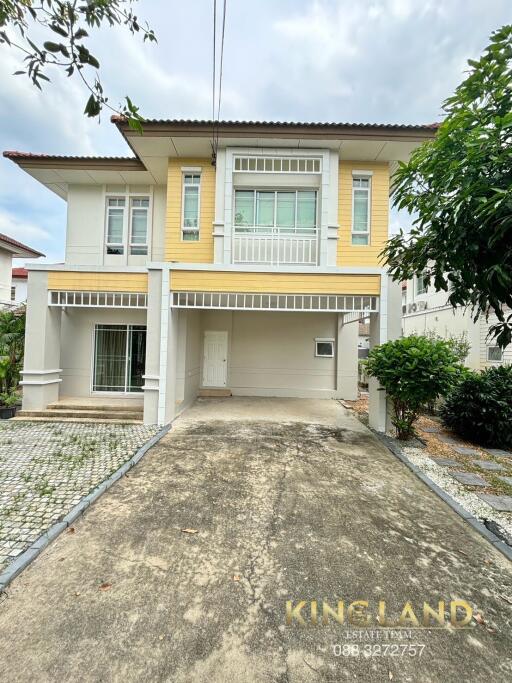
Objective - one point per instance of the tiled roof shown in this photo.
(280, 124)
(21, 273)
(12, 154)
(19, 245)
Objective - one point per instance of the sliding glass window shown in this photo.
(119, 358)
(272, 212)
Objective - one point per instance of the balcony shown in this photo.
(276, 247)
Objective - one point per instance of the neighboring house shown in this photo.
(9, 249)
(424, 310)
(19, 285)
(247, 277)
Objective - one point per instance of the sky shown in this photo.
(372, 61)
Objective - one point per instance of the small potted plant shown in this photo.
(8, 405)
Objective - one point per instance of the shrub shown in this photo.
(480, 407)
(414, 371)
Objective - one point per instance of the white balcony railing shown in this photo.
(275, 249)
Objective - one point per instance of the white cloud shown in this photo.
(20, 230)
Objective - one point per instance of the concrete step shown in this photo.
(214, 393)
(108, 407)
(88, 420)
(100, 415)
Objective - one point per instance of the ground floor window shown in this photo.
(119, 357)
(494, 354)
(324, 348)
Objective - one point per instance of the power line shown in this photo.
(216, 116)
(220, 71)
(214, 61)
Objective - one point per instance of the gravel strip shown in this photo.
(466, 498)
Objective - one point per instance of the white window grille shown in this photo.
(281, 164)
(333, 303)
(98, 299)
(494, 354)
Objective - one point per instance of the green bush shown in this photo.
(480, 407)
(414, 371)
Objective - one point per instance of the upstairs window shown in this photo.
(191, 203)
(127, 225)
(283, 212)
(421, 287)
(139, 211)
(361, 210)
(115, 225)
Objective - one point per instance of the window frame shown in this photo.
(126, 244)
(362, 175)
(115, 245)
(419, 292)
(324, 340)
(129, 327)
(493, 360)
(132, 244)
(186, 230)
(283, 231)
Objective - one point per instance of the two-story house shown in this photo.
(247, 277)
(425, 311)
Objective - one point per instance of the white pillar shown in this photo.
(152, 370)
(384, 326)
(41, 373)
(346, 359)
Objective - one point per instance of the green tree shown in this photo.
(12, 341)
(414, 371)
(65, 27)
(459, 187)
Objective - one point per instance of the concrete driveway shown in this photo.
(291, 500)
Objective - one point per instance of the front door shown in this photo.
(215, 357)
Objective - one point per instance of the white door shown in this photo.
(215, 359)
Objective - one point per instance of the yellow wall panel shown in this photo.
(349, 254)
(98, 282)
(175, 248)
(280, 283)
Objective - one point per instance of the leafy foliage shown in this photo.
(68, 25)
(414, 371)
(459, 186)
(459, 343)
(480, 407)
(12, 340)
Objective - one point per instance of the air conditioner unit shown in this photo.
(422, 305)
(413, 308)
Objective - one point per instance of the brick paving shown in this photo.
(47, 468)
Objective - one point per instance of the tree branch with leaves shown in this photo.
(67, 25)
(459, 187)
